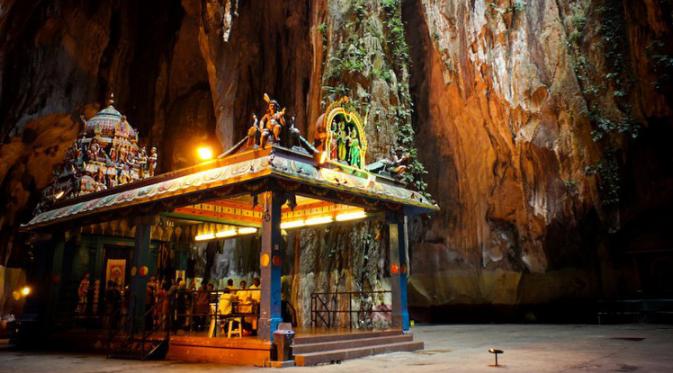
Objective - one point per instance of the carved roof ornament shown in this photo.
(340, 136)
(106, 154)
(272, 129)
(274, 156)
(340, 139)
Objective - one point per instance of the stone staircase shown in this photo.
(333, 348)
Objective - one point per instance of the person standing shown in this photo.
(113, 300)
(201, 308)
(150, 294)
(83, 295)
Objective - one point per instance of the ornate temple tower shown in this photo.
(106, 154)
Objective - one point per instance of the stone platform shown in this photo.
(456, 348)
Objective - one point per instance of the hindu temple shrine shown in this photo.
(125, 236)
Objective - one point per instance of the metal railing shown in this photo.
(326, 307)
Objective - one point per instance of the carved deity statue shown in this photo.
(272, 122)
(355, 150)
(334, 146)
(252, 132)
(152, 161)
(342, 142)
(141, 161)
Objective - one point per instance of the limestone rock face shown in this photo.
(543, 125)
(514, 105)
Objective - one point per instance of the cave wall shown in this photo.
(532, 115)
(542, 125)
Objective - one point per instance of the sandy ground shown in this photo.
(455, 348)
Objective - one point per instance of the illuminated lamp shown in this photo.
(59, 194)
(247, 230)
(204, 237)
(347, 216)
(26, 290)
(318, 220)
(205, 153)
(292, 224)
(227, 233)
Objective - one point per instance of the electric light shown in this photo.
(292, 224)
(59, 194)
(26, 290)
(227, 233)
(351, 216)
(205, 153)
(247, 230)
(204, 237)
(318, 220)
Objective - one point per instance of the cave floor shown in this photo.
(461, 348)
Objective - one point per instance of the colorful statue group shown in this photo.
(345, 144)
(105, 155)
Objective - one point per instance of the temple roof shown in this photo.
(242, 173)
(325, 180)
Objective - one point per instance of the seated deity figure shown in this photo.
(112, 180)
(272, 122)
(94, 150)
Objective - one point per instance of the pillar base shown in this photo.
(266, 327)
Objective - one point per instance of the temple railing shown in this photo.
(350, 309)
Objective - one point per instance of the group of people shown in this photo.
(88, 297)
(192, 309)
(243, 300)
(183, 305)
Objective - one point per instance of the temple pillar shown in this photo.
(270, 266)
(139, 271)
(53, 276)
(399, 243)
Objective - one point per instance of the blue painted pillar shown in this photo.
(141, 257)
(399, 243)
(271, 261)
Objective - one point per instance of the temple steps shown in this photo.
(345, 335)
(345, 344)
(317, 350)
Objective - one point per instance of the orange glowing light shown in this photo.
(205, 153)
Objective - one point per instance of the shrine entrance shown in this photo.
(270, 183)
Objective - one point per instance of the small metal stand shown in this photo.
(495, 352)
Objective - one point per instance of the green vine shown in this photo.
(405, 134)
(349, 66)
(610, 127)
